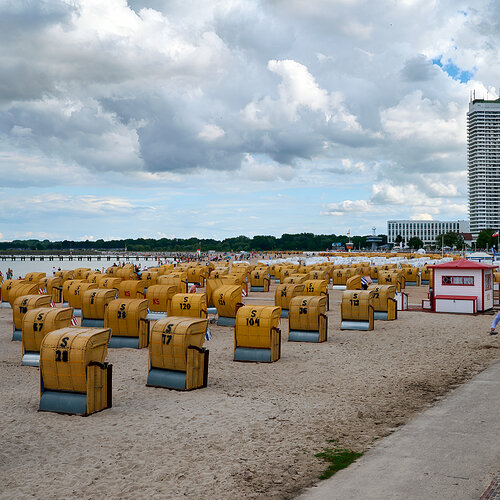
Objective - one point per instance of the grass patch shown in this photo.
(339, 458)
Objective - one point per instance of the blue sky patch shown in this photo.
(463, 76)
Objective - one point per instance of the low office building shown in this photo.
(426, 230)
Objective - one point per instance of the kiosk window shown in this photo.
(458, 280)
(488, 281)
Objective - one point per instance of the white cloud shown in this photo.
(138, 99)
(358, 30)
(352, 166)
(70, 205)
(211, 132)
(21, 171)
(402, 202)
(421, 217)
(21, 131)
(254, 116)
(41, 235)
(420, 120)
(385, 193)
(347, 207)
(298, 87)
(299, 90)
(265, 171)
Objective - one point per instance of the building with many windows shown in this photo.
(426, 230)
(483, 162)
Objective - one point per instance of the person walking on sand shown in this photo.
(493, 330)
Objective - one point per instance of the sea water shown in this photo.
(21, 267)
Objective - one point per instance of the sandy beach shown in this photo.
(253, 432)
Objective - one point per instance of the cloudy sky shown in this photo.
(214, 118)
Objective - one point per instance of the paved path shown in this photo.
(449, 452)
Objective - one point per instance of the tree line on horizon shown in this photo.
(300, 241)
(286, 242)
(451, 239)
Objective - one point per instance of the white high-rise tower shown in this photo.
(483, 162)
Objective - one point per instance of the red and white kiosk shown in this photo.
(462, 286)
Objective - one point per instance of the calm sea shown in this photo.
(21, 267)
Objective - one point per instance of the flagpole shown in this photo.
(497, 234)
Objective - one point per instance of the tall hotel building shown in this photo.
(483, 162)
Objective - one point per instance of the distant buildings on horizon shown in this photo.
(483, 167)
(426, 230)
